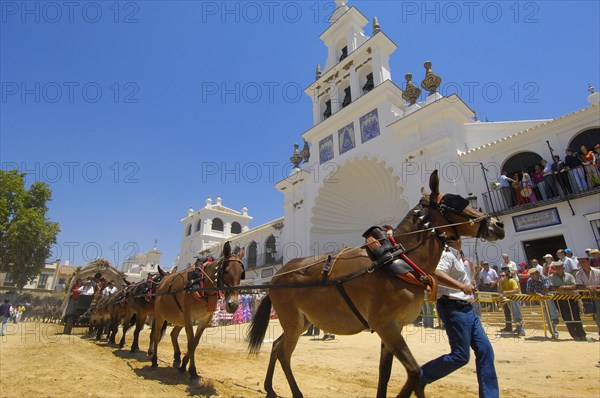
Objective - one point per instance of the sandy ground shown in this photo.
(36, 360)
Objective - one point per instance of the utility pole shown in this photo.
(487, 185)
(565, 196)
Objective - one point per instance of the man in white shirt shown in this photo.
(512, 266)
(110, 289)
(569, 264)
(549, 180)
(489, 278)
(589, 278)
(535, 264)
(506, 189)
(463, 327)
(87, 289)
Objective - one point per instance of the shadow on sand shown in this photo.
(140, 356)
(172, 376)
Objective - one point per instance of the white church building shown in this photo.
(374, 143)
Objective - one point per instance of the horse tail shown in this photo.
(259, 325)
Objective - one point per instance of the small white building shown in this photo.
(137, 267)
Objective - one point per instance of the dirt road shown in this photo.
(36, 360)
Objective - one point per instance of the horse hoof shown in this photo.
(194, 378)
(176, 364)
(132, 351)
(154, 365)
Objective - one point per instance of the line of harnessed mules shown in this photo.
(382, 248)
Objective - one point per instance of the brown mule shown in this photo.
(180, 308)
(121, 313)
(386, 303)
(141, 303)
(100, 315)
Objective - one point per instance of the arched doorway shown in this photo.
(520, 162)
(589, 138)
(270, 250)
(252, 254)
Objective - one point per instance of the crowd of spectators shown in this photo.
(579, 171)
(562, 274)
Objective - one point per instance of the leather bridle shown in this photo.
(222, 270)
(446, 211)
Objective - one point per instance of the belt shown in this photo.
(449, 300)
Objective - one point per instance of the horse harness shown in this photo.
(197, 277)
(385, 252)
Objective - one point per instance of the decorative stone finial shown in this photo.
(318, 73)
(296, 158)
(244, 211)
(340, 8)
(155, 242)
(218, 200)
(305, 152)
(208, 202)
(431, 82)
(340, 3)
(190, 211)
(594, 97)
(376, 27)
(411, 93)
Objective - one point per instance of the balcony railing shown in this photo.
(569, 184)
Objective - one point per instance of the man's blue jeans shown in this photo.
(464, 331)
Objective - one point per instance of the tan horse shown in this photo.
(141, 302)
(121, 313)
(385, 303)
(99, 315)
(180, 308)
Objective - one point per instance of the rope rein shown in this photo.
(343, 279)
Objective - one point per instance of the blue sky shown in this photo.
(135, 111)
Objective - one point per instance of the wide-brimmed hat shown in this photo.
(557, 263)
(533, 270)
(548, 255)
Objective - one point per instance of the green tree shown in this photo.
(26, 234)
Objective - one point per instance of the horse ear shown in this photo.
(227, 249)
(161, 271)
(240, 254)
(424, 193)
(434, 183)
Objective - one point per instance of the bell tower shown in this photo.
(356, 63)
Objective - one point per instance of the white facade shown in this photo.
(202, 235)
(212, 225)
(372, 151)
